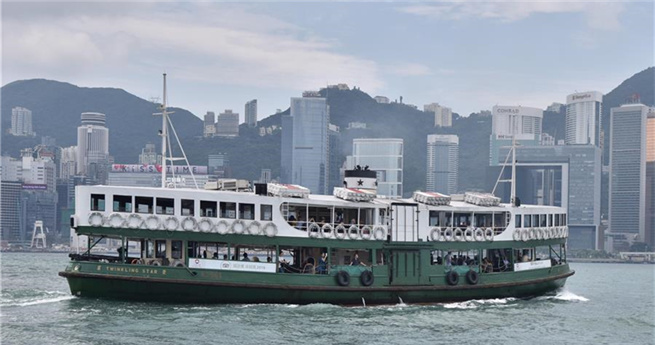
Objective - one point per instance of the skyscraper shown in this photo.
(93, 146)
(522, 123)
(310, 143)
(583, 118)
(627, 197)
(443, 163)
(443, 116)
(209, 126)
(650, 179)
(149, 155)
(227, 124)
(21, 122)
(385, 157)
(251, 113)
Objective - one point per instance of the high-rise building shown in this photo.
(218, 165)
(227, 124)
(443, 116)
(265, 176)
(68, 162)
(93, 147)
(286, 148)
(627, 194)
(251, 113)
(21, 122)
(650, 179)
(508, 122)
(209, 124)
(583, 118)
(310, 143)
(149, 155)
(385, 157)
(335, 159)
(10, 202)
(443, 163)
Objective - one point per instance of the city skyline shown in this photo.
(491, 56)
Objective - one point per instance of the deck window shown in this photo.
(266, 212)
(228, 210)
(517, 221)
(527, 221)
(535, 220)
(550, 220)
(483, 220)
(122, 203)
(246, 211)
(208, 209)
(143, 204)
(160, 249)
(542, 219)
(557, 220)
(176, 249)
(97, 202)
(563, 219)
(188, 208)
(165, 206)
(462, 219)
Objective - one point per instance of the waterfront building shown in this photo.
(10, 223)
(555, 107)
(442, 163)
(286, 148)
(385, 157)
(209, 124)
(93, 147)
(508, 122)
(227, 124)
(335, 157)
(30, 170)
(218, 165)
(21, 122)
(564, 175)
(650, 179)
(310, 143)
(251, 113)
(149, 155)
(627, 194)
(443, 116)
(583, 118)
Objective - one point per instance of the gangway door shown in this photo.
(404, 222)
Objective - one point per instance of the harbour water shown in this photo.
(601, 304)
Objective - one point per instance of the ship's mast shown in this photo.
(164, 136)
(513, 181)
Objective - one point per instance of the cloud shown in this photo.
(410, 70)
(217, 44)
(599, 15)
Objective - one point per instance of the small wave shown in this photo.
(565, 295)
(43, 301)
(472, 304)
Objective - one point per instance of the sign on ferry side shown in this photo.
(225, 265)
(133, 270)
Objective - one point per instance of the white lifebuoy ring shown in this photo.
(222, 227)
(516, 235)
(379, 233)
(115, 220)
(313, 230)
(435, 234)
(205, 225)
(479, 235)
(237, 226)
(340, 232)
(189, 224)
(171, 223)
(134, 221)
(177, 263)
(468, 234)
(96, 219)
(525, 235)
(155, 263)
(273, 229)
(448, 234)
(327, 230)
(533, 234)
(489, 234)
(152, 222)
(366, 233)
(458, 235)
(253, 228)
(353, 232)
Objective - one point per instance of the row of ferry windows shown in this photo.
(166, 206)
(539, 220)
(465, 219)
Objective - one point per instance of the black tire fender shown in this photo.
(343, 278)
(366, 278)
(472, 277)
(452, 278)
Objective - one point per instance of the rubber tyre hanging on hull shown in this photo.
(452, 278)
(343, 278)
(366, 278)
(472, 277)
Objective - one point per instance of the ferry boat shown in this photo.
(279, 243)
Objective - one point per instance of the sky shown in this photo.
(466, 55)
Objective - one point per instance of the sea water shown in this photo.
(601, 304)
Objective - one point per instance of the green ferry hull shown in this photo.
(213, 287)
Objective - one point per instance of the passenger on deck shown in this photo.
(204, 254)
(300, 225)
(215, 256)
(269, 259)
(224, 256)
(449, 261)
(255, 259)
(245, 257)
(322, 264)
(487, 266)
(356, 262)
